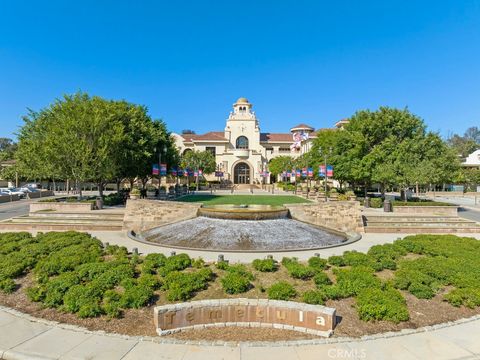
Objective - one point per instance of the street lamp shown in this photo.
(164, 148)
(326, 176)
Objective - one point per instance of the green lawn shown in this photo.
(244, 199)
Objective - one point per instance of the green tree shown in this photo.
(280, 163)
(199, 160)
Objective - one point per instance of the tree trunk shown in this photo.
(100, 189)
(197, 181)
(118, 185)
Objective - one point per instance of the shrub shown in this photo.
(235, 283)
(150, 281)
(265, 265)
(222, 265)
(183, 286)
(421, 291)
(281, 291)
(136, 296)
(152, 262)
(176, 263)
(378, 304)
(7, 286)
(297, 270)
(351, 281)
(198, 263)
(315, 297)
(468, 296)
(317, 263)
(336, 260)
(376, 203)
(321, 279)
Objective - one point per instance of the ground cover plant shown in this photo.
(74, 273)
(244, 199)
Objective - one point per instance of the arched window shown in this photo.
(242, 142)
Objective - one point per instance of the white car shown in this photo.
(13, 191)
(27, 189)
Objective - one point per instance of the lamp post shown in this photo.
(326, 174)
(164, 148)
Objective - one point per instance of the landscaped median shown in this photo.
(70, 277)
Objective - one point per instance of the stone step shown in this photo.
(85, 215)
(32, 220)
(422, 230)
(433, 219)
(424, 224)
(10, 226)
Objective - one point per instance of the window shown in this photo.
(284, 149)
(242, 142)
(212, 149)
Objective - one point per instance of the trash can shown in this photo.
(99, 202)
(387, 206)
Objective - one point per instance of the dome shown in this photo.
(242, 100)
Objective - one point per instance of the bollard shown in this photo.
(269, 256)
(173, 253)
(135, 251)
(316, 254)
(221, 258)
(107, 244)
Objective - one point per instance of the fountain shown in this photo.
(242, 228)
(244, 212)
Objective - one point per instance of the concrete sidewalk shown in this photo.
(24, 337)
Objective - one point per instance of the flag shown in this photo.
(180, 172)
(321, 170)
(200, 172)
(174, 172)
(289, 174)
(195, 173)
(299, 173)
(163, 169)
(304, 172)
(155, 169)
(330, 170)
(310, 172)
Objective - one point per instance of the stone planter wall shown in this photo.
(344, 216)
(144, 214)
(426, 210)
(61, 206)
(40, 194)
(8, 198)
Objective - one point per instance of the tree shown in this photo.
(280, 163)
(89, 139)
(199, 160)
(7, 149)
(466, 144)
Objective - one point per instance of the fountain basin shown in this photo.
(243, 212)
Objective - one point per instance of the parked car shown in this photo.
(27, 189)
(13, 191)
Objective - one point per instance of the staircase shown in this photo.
(419, 224)
(99, 220)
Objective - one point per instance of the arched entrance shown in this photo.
(241, 173)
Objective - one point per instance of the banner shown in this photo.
(218, 173)
(195, 173)
(289, 174)
(180, 172)
(330, 170)
(299, 173)
(174, 172)
(189, 172)
(304, 172)
(321, 170)
(310, 172)
(155, 169)
(200, 172)
(163, 169)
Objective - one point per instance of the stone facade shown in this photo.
(343, 216)
(141, 215)
(314, 319)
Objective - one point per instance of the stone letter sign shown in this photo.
(313, 319)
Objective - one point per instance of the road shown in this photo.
(15, 208)
(468, 209)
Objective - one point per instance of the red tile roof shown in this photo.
(303, 126)
(276, 137)
(210, 136)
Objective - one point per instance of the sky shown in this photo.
(312, 62)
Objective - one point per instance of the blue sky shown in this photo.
(296, 61)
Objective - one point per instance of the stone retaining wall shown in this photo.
(141, 215)
(8, 198)
(427, 210)
(344, 216)
(61, 206)
(452, 194)
(40, 194)
(288, 315)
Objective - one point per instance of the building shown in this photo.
(473, 160)
(242, 151)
